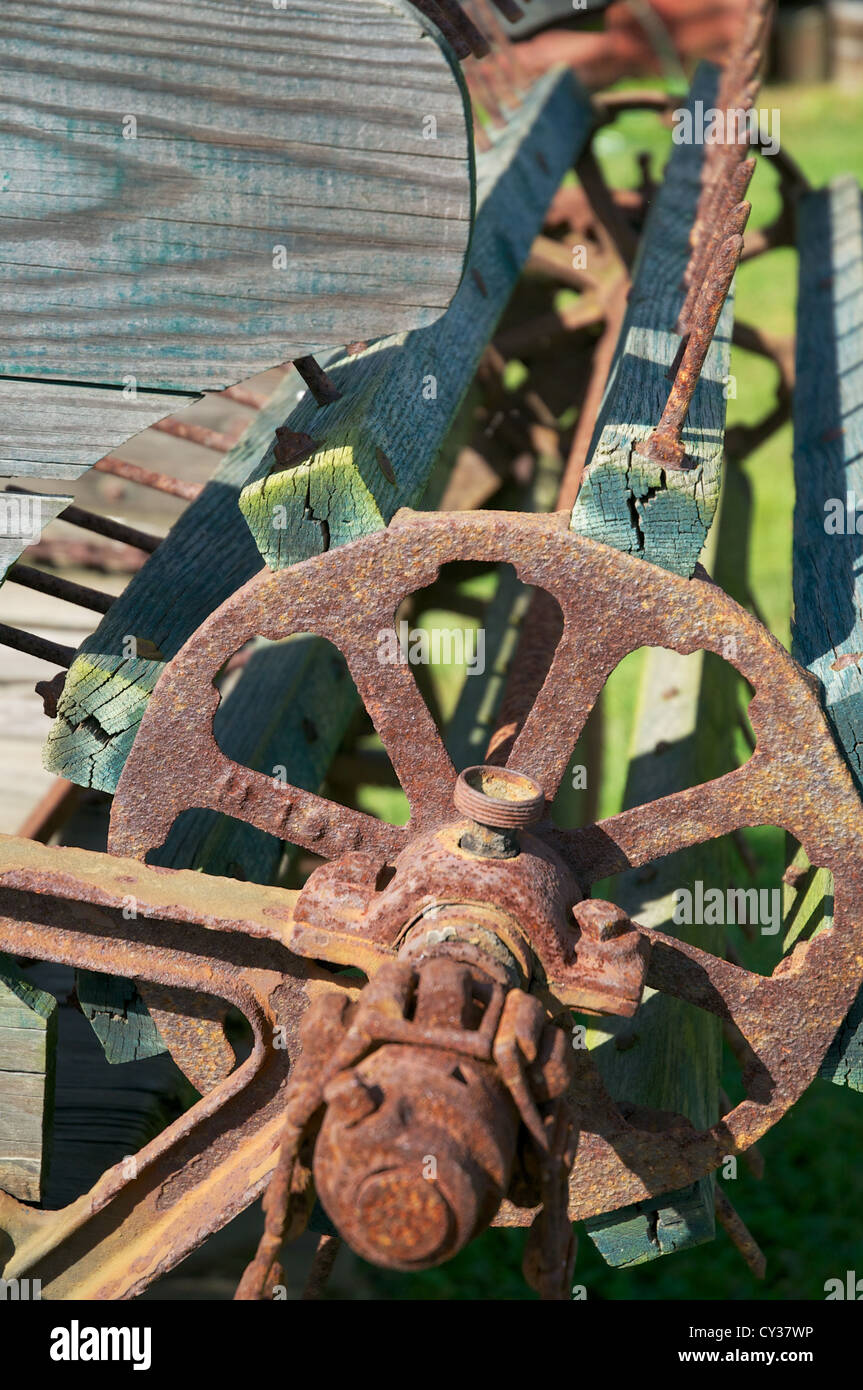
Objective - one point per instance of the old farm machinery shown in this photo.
(423, 1001)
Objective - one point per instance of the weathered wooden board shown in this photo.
(632, 505)
(827, 631)
(27, 1035)
(194, 192)
(53, 431)
(375, 444)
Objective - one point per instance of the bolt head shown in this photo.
(601, 921)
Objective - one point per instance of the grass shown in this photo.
(807, 1213)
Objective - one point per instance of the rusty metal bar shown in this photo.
(319, 384)
(197, 434)
(740, 1235)
(101, 525)
(147, 477)
(32, 645)
(56, 587)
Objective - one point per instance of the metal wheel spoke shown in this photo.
(746, 796)
(407, 731)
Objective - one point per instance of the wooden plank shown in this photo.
(194, 192)
(669, 1056)
(27, 1037)
(664, 516)
(375, 445)
(827, 630)
(52, 431)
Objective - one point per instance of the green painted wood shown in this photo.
(625, 502)
(400, 395)
(206, 557)
(645, 1231)
(194, 192)
(827, 631)
(27, 1041)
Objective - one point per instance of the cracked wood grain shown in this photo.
(663, 516)
(193, 193)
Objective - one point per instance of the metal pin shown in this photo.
(665, 445)
(320, 385)
(730, 196)
(460, 20)
(740, 1235)
(198, 434)
(162, 482)
(65, 589)
(322, 1266)
(40, 647)
(101, 525)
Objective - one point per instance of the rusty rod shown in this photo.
(65, 589)
(322, 389)
(101, 525)
(147, 477)
(33, 645)
(740, 1235)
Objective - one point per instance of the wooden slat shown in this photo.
(152, 248)
(52, 431)
(27, 1037)
(22, 520)
(827, 631)
(638, 507)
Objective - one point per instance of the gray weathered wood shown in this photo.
(827, 631)
(27, 1036)
(157, 156)
(22, 520)
(52, 431)
(635, 506)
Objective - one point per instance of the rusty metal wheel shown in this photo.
(612, 604)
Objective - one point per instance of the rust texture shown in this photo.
(397, 898)
(665, 445)
(148, 477)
